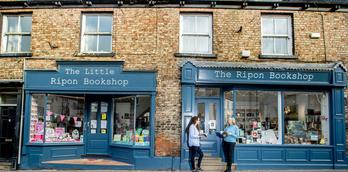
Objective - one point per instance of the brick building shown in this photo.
(121, 78)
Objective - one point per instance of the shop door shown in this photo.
(208, 112)
(7, 132)
(98, 127)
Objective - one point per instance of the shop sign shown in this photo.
(252, 75)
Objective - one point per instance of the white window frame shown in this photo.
(83, 32)
(289, 36)
(5, 33)
(209, 35)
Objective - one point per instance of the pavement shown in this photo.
(175, 171)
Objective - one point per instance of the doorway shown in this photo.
(98, 126)
(209, 113)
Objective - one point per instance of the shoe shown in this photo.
(199, 169)
(194, 170)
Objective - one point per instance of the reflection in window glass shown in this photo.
(142, 124)
(132, 120)
(306, 118)
(207, 92)
(64, 118)
(124, 120)
(257, 117)
(36, 118)
(228, 105)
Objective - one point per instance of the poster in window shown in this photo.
(103, 123)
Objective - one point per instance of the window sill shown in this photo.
(16, 54)
(129, 146)
(112, 54)
(195, 55)
(55, 144)
(278, 57)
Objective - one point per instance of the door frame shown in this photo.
(219, 123)
(88, 100)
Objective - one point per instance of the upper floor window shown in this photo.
(96, 33)
(196, 33)
(16, 35)
(276, 35)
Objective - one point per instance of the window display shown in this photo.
(132, 120)
(63, 120)
(37, 118)
(257, 115)
(306, 118)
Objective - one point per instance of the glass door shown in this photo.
(98, 127)
(208, 112)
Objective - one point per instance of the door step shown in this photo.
(214, 164)
(5, 166)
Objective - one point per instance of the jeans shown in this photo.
(228, 152)
(193, 151)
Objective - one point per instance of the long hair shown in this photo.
(193, 121)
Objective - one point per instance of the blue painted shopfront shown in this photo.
(96, 88)
(231, 79)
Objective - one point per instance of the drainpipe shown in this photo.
(324, 40)
(21, 119)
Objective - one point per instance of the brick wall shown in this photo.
(147, 38)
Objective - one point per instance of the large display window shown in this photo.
(56, 118)
(132, 120)
(263, 116)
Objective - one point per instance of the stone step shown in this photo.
(5, 166)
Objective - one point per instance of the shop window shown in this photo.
(96, 33)
(207, 92)
(16, 33)
(276, 35)
(132, 120)
(196, 33)
(37, 111)
(63, 121)
(228, 108)
(257, 114)
(306, 118)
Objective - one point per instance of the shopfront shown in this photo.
(88, 109)
(289, 115)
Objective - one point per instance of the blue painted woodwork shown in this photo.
(34, 155)
(89, 76)
(98, 142)
(281, 156)
(210, 144)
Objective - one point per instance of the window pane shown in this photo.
(267, 46)
(203, 25)
(207, 92)
(188, 24)
(90, 43)
(9, 99)
(104, 44)
(281, 26)
(12, 23)
(12, 43)
(25, 24)
(105, 23)
(257, 117)
(228, 108)
(124, 120)
(64, 118)
(306, 118)
(202, 44)
(201, 115)
(91, 23)
(267, 25)
(188, 43)
(25, 44)
(37, 110)
(142, 121)
(281, 45)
